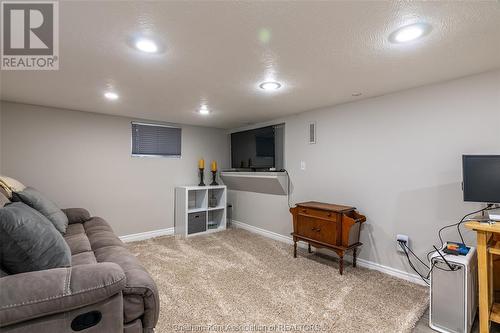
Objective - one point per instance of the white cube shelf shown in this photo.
(200, 209)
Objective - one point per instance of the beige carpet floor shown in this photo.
(236, 281)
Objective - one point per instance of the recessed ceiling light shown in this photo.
(203, 110)
(410, 33)
(270, 85)
(111, 95)
(357, 94)
(146, 45)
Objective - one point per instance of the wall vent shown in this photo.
(312, 132)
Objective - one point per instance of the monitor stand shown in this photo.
(480, 218)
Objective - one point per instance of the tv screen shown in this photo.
(253, 149)
(481, 178)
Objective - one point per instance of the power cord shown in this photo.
(489, 207)
(407, 251)
(404, 247)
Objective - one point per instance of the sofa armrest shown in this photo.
(140, 283)
(77, 215)
(36, 294)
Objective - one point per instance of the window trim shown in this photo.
(152, 155)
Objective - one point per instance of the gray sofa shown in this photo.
(106, 289)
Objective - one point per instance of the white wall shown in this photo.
(397, 158)
(82, 159)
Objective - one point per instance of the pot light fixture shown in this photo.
(357, 94)
(270, 85)
(146, 45)
(203, 110)
(410, 33)
(112, 96)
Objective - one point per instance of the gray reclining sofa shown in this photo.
(106, 289)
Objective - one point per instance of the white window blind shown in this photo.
(155, 140)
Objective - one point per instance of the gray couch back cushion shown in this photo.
(41, 203)
(29, 241)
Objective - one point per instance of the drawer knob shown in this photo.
(329, 214)
(304, 210)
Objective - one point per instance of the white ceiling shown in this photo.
(322, 52)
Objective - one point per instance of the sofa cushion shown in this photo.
(29, 241)
(3, 200)
(78, 243)
(41, 203)
(10, 185)
(76, 215)
(74, 229)
(4, 191)
(84, 258)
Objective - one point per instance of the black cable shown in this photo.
(488, 207)
(425, 278)
(458, 225)
(411, 264)
(404, 243)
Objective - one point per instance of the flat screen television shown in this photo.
(481, 178)
(254, 149)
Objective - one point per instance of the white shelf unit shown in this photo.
(200, 209)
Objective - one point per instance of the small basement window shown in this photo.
(155, 140)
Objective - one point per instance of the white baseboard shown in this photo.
(361, 262)
(146, 235)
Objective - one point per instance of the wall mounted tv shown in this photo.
(481, 178)
(258, 149)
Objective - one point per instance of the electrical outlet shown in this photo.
(302, 165)
(403, 238)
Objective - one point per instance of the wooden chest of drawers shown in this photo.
(335, 227)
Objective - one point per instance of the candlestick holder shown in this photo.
(214, 175)
(201, 177)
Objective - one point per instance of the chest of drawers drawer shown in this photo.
(318, 213)
(317, 229)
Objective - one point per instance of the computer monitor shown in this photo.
(481, 178)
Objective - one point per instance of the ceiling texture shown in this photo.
(218, 52)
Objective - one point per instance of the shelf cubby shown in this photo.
(216, 218)
(216, 198)
(197, 200)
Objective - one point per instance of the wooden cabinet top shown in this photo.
(482, 226)
(326, 206)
